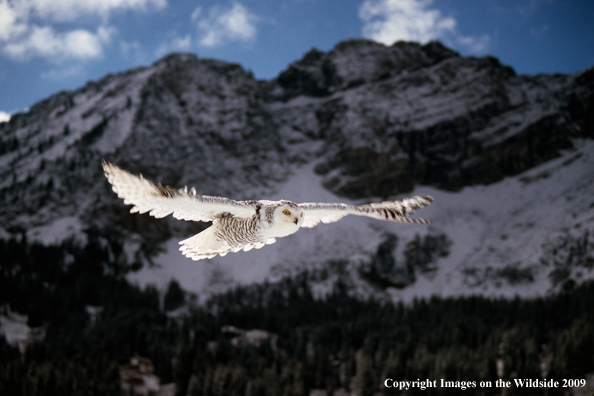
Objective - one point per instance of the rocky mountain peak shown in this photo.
(355, 62)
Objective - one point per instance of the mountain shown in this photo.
(508, 159)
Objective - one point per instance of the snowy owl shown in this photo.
(243, 225)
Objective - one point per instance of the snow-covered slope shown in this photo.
(527, 235)
(506, 157)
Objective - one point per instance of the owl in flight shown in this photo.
(243, 225)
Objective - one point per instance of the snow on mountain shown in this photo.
(527, 235)
(506, 157)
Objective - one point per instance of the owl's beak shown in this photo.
(296, 221)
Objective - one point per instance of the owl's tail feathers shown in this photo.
(204, 245)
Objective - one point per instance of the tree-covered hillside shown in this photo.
(340, 342)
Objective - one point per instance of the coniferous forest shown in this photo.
(340, 342)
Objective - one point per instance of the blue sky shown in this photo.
(51, 45)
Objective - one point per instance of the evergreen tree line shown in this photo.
(337, 342)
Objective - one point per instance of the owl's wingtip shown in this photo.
(428, 198)
(107, 166)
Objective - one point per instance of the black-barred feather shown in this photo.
(388, 210)
(238, 231)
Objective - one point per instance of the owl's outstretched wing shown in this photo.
(398, 211)
(161, 201)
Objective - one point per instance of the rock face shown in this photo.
(356, 62)
(374, 121)
(186, 120)
(393, 117)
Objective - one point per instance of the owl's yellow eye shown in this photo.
(301, 215)
(286, 212)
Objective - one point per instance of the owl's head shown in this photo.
(287, 217)
(288, 212)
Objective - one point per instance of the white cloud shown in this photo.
(182, 43)
(174, 44)
(214, 27)
(475, 45)
(45, 42)
(196, 14)
(224, 25)
(67, 10)
(28, 27)
(9, 22)
(134, 52)
(388, 21)
(4, 117)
